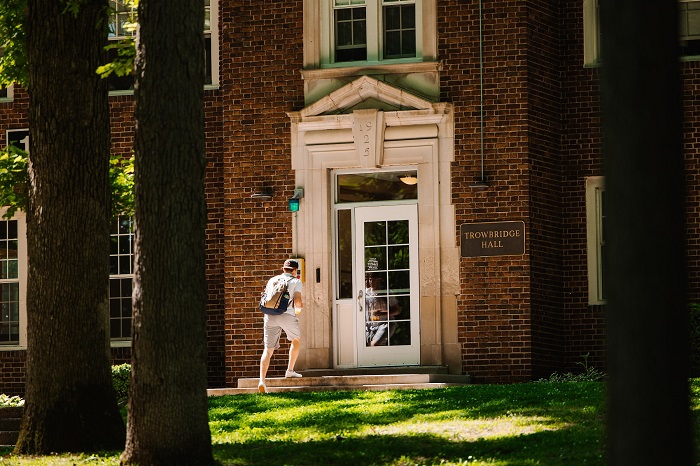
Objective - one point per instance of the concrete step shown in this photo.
(10, 424)
(8, 438)
(10, 420)
(356, 380)
(313, 380)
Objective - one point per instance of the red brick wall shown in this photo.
(494, 305)
(690, 75)
(261, 57)
(13, 374)
(544, 150)
(581, 141)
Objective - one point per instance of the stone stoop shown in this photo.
(352, 379)
(10, 420)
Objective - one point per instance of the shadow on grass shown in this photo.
(332, 427)
(573, 445)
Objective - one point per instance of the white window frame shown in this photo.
(10, 95)
(22, 265)
(595, 186)
(211, 20)
(375, 32)
(121, 342)
(591, 33)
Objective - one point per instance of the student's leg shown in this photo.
(293, 353)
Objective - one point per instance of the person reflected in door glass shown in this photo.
(380, 309)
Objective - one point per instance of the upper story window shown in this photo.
(123, 16)
(689, 30)
(370, 31)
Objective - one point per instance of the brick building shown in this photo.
(449, 149)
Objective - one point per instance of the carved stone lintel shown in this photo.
(368, 132)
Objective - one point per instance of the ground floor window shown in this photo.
(595, 223)
(121, 275)
(13, 279)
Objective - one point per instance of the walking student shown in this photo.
(287, 321)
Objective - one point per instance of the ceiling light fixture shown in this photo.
(409, 179)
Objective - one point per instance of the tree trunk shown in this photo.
(70, 403)
(168, 418)
(648, 409)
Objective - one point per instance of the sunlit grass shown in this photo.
(522, 424)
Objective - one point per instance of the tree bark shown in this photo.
(648, 410)
(70, 402)
(168, 417)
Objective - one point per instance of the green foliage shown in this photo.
(13, 42)
(694, 336)
(121, 375)
(123, 64)
(10, 401)
(14, 66)
(121, 180)
(13, 180)
(589, 374)
(14, 188)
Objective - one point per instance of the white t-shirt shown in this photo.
(293, 285)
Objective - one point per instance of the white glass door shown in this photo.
(387, 285)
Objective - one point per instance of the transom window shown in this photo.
(373, 30)
(376, 186)
(120, 27)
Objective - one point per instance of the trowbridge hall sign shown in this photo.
(492, 239)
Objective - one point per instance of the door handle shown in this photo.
(359, 300)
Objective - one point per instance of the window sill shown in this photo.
(207, 87)
(120, 343)
(370, 68)
(13, 348)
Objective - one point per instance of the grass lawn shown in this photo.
(522, 424)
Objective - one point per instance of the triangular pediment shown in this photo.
(363, 93)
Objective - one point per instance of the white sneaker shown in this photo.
(292, 374)
(262, 388)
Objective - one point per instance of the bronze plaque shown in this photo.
(492, 239)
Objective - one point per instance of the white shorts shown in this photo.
(273, 326)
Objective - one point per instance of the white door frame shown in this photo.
(387, 354)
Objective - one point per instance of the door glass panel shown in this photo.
(344, 254)
(375, 233)
(398, 232)
(398, 257)
(387, 284)
(377, 186)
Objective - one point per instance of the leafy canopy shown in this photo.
(14, 69)
(14, 187)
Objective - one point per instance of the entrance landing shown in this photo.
(376, 378)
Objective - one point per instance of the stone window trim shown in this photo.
(595, 186)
